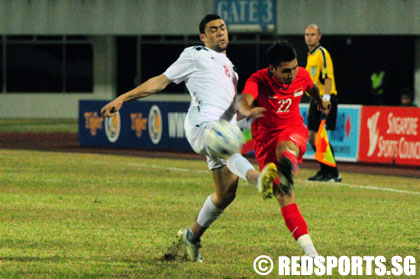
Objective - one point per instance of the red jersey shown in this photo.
(280, 101)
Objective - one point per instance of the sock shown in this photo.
(208, 213)
(238, 165)
(323, 169)
(294, 220)
(305, 242)
(291, 155)
(333, 170)
(193, 238)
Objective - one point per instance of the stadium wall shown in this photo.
(65, 105)
(103, 20)
(110, 17)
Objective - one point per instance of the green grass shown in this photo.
(41, 125)
(67, 215)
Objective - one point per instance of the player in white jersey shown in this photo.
(211, 80)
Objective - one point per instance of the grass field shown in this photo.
(41, 125)
(66, 215)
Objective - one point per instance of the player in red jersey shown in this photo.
(271, 96)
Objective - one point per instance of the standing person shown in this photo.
(320, 67)
(271, 96)
(211, 79)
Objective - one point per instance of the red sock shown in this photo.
(292, 157)
(294, 220)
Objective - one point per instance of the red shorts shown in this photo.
(266, 147)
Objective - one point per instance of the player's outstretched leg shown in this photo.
(226, 185)
(192, 249)
(265, 180)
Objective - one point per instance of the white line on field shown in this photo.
(299, 180)
(360, 186)
(166, 168)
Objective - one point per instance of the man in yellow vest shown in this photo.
(320, 67)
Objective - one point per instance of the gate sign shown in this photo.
(247, 15)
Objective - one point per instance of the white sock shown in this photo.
(305, 242)
(208, 213)
(238, 165)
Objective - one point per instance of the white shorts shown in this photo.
(197, 136)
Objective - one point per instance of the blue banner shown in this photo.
(345, 138)
(144, 125)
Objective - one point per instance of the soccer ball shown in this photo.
(224, 139)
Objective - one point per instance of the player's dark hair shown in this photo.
(281, 52)
(206, 20)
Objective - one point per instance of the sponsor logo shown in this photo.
(348, 126)
(372, 124)
(93, 122)
(313, 70)
(138, 123)
(342, 128)
(155, 124)
(113, 127)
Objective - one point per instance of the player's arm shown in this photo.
(151, 86)
(246, 109)
(327, 87)
(326, 73)
(315, 95)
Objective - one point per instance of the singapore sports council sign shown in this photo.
(248, 15)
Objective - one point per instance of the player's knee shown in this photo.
(286, 146)
(284, 199)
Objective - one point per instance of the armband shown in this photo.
(326, 98)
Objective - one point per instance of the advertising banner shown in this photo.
(148, 125)
(345, 138)
(390, 135)
(160, 126)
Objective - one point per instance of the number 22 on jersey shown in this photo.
(284, 105)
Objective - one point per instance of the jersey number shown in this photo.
(284, 105)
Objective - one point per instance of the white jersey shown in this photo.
(211, 79)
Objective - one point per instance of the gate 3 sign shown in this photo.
(247, 15)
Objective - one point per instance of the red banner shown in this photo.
(390, 135)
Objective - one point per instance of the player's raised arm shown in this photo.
(246, 109)
(151, 86)
(322, 105)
